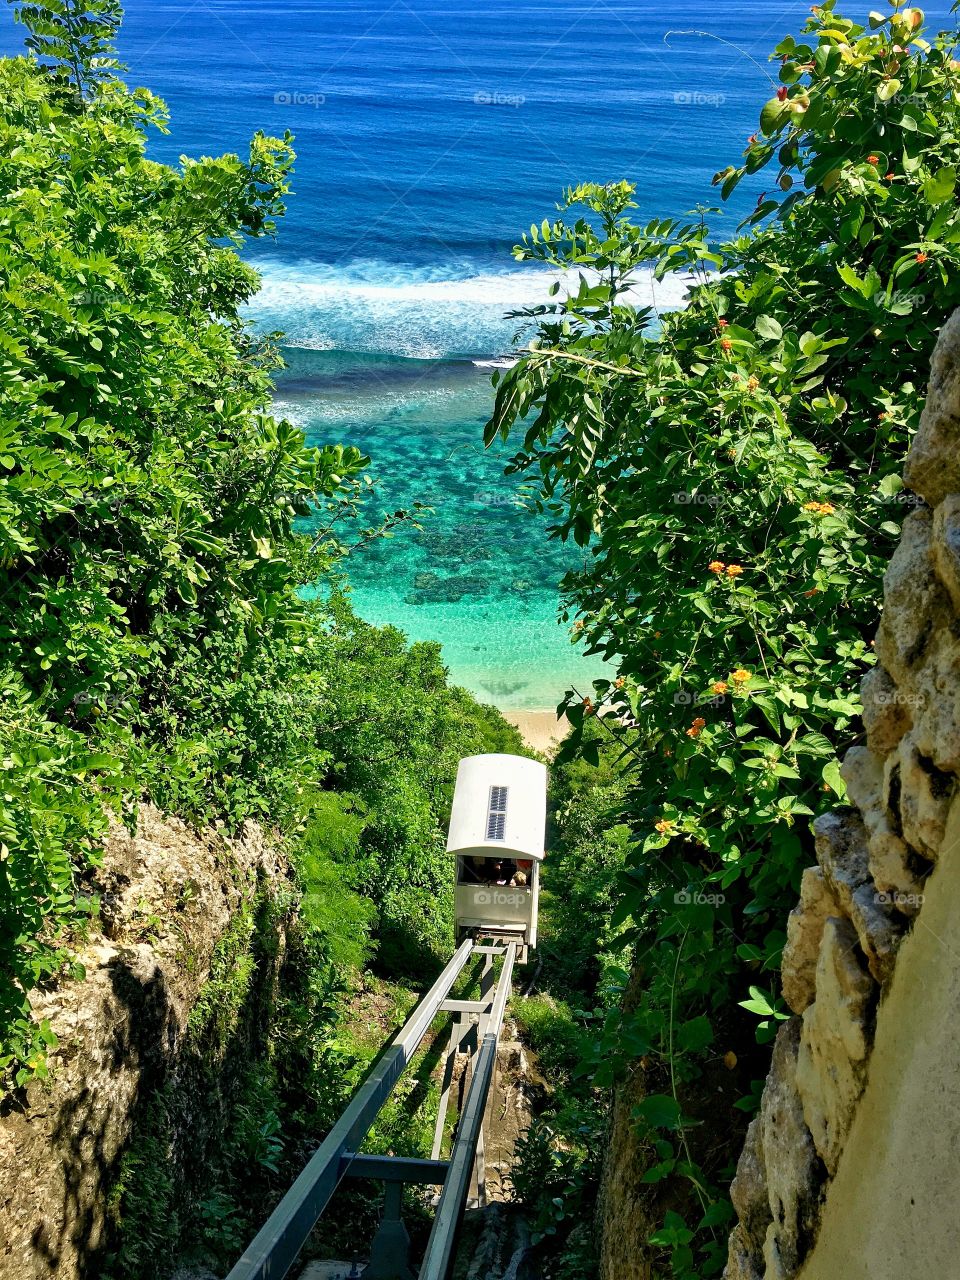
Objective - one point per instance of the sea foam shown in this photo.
(419, 312)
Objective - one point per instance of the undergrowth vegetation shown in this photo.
(734, 469)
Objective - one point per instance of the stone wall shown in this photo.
(168, 895)
(850, 1168)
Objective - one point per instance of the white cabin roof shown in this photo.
(499, 808)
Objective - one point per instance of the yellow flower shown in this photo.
(716, 566)
(734, 570)
(740, 676)
(752, 384)
(665, 826)
(719, 686)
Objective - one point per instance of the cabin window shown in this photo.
(497, 813)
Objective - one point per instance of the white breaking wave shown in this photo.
(376, 307)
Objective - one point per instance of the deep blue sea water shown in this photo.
(429, 135)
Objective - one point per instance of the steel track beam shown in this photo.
(274, 1250)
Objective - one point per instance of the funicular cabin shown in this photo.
(497, 832)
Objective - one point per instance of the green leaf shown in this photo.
(695, 1034)
(767, 327)
(100, 760)
(831, 776)
(659, 1111)
(940, 186)
(771, 115)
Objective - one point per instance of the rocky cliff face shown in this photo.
(169, 896)
(837, 1128)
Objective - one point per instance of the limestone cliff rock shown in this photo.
(168, 896)
(870, 960)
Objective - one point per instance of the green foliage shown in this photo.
(213, 1018)
(143, 1197)
(51, 820)
(145, 495)
(326, 853)
(589, 845)
(550, 1028)
(734, 468)
(394, 732)
(77, 34)
(555, 1179)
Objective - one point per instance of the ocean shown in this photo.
(429, 136)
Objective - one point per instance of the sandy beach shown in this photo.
(540, 729)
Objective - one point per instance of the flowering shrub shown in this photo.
(733, 468)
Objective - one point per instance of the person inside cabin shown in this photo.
(524, 869)
(475, 871)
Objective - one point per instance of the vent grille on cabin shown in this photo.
(497, 813)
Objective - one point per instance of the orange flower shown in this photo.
(753, 383)
(921, 258)
(588, 706)
(665, 826)
(740, 676)
(812, 592)
(726, 344)
(719, 686)
(819, 508)
(716, 566)
(873, 159)
(734, 570)
(619, 682)
(723, 323)
(889, 177)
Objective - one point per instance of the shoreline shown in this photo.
(539, 727)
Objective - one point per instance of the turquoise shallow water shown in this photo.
(480, 577)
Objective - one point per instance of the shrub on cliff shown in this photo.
(735, 473)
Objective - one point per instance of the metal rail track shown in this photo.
(439, 1254)
(274, 1249)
